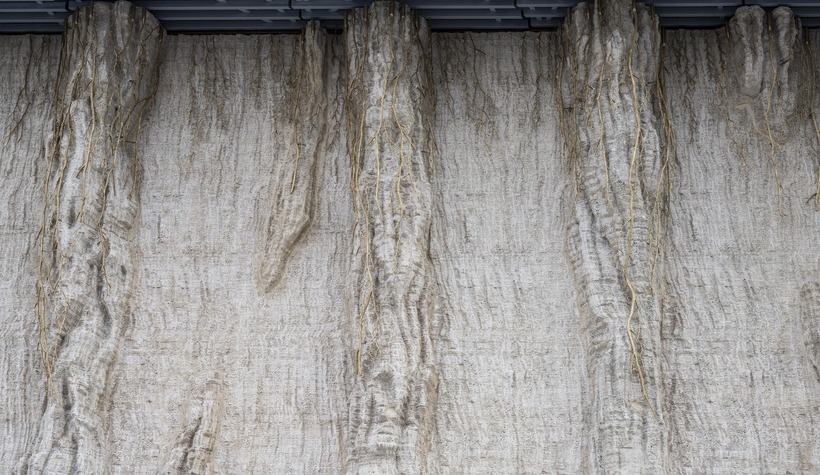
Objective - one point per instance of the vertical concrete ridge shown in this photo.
(390, 109)
(193, 451)
(613, 127)
(742, 223)
(811, 43)
(293, 196)
(764, 55)
(107, 77)
(768, 64)
(810, 319)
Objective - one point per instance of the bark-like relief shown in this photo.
(741, 223)
(811, 42)
(29, 71)
(390, 109)
(765, 72)
(764, 52)
(810, 320)
(614, 130)
(192, 453)
(107, 78)
(293, 195)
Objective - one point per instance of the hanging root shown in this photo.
(633, 170)
(767, 116)
(664, 188)
(54, 308)
(356, 145)
(390, 138)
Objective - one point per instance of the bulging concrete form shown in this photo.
(395, 250)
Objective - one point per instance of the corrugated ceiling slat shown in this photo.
(479, 24)
(232, 5)
(44, 16)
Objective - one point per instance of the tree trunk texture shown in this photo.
(396, 251)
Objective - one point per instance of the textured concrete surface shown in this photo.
(617, 151)
(390, 114)
(106, 80)
(743, 249)
(390, 251)
(30, 67)
(210, 188)
(509, 349)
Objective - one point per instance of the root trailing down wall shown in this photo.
(390, 111)
(397, 251)
(614, 115)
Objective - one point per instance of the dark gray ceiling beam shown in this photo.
(46, 16)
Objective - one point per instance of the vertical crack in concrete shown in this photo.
(107, 77)
(614, 241)
(193, 452)
(292, 200)
(390, 109)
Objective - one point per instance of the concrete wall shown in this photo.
(396, 251)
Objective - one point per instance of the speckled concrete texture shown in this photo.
(595, 250)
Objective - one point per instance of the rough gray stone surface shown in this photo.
(393, 251)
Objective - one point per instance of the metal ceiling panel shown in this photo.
(694, 12)
(479, 24)
(199, 26)
(327, 4)
(716, 4)
(32, 6)
(218, 5)
(229, 16)
(471, 14)
(541, 12)
(545, 3)
(790, 3)
(48, 16)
